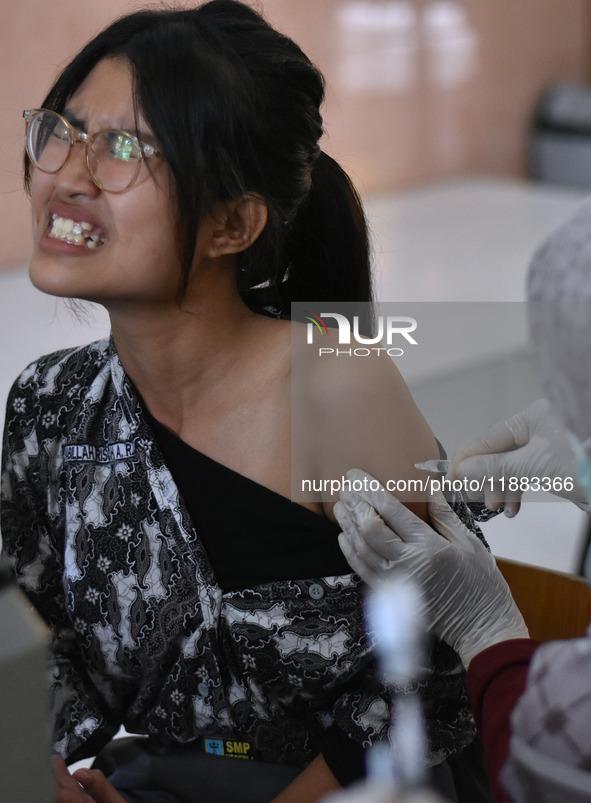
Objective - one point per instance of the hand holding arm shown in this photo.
(466, 601)
(531, 444)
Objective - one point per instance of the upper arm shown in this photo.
(357, 412)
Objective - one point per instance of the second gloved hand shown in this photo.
(466, 600)
(513, 454)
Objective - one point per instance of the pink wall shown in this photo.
(417, 90)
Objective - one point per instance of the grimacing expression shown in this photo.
(97, 245)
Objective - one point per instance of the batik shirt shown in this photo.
(143, 636)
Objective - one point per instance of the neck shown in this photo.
(170, 351)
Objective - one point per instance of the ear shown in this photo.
(235, 225)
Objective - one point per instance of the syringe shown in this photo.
(393, 616)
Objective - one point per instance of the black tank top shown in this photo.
(252, 535)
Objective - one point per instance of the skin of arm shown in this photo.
(358, 411)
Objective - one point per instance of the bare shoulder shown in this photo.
(357, 411)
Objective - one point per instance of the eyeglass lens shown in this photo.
(48, 141)
(113, 157)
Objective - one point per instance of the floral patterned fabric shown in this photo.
(143, 636)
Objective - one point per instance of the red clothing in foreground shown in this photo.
(496, 679)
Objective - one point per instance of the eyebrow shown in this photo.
(141, 136)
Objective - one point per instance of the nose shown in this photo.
(74, 178)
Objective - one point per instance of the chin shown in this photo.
(52, 279)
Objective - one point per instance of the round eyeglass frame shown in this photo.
(75, 135)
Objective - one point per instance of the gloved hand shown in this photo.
(466, 601)
(531, 444)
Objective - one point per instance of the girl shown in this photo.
(175, 177)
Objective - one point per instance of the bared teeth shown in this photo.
(74, 232)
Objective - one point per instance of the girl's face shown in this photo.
(135, 255)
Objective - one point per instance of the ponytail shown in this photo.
(328, 246)
(325, 254)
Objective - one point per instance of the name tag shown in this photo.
(230, 748)
(107, 453)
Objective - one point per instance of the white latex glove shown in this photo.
(466, 601)
(531, 444)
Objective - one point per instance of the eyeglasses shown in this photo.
(113, 158)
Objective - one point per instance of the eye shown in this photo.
(117, 145)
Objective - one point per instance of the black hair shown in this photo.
(234, 106)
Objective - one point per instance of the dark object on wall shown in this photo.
(560, 148)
